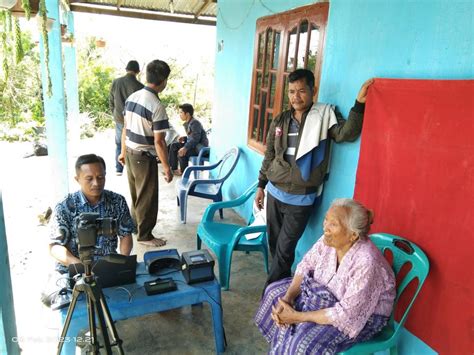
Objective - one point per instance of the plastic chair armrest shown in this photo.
(215, 206)
(251, 229)
(247, 230)
(189, 169)
(201, 153)
(192, 183)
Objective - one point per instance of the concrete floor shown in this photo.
(189, 330)
(27, 192)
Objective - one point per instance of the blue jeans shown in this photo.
(118, 146)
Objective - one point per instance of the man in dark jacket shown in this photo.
(191, 144)
(296, 163)
(121, 89)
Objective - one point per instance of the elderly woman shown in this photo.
(342, 292)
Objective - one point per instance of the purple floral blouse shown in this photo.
(363, 283)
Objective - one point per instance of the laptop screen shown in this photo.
(120, 272)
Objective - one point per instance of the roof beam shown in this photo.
(202, 8)
(78, 7)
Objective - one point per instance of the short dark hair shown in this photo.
(299, 74)
(187, 108)
(157, 71)
(88, 159)
(133, 66)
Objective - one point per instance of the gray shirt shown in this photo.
(121, 89)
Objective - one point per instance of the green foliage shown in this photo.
(95, 79)
(43, 13)
(25, 4)
(182, 89)
(21, 103)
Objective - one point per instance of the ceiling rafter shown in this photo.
(148, 15)
(202, 8)
(202, 12)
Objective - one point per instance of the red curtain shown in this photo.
(416, 171)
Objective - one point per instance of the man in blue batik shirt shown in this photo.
(92, 197)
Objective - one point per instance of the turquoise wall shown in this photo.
(365, 38)
(427, 39)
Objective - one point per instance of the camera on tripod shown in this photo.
(89, 226)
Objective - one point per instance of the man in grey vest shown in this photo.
(121, 89)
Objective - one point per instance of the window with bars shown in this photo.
(283, 42)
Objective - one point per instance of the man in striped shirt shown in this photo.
(143, 142)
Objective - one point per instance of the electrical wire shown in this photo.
(126, 290)
(266, 7)
(244, 19)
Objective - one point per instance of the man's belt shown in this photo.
(142, 153)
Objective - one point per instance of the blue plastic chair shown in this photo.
(224, 238)
(204, 153)
(403, 252)
(211, 187)
(201, 158)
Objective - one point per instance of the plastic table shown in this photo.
(122, 306)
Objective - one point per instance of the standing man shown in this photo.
(121, 89)
(191, 144)
(296, 162)
(143, 143)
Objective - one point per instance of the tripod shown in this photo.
(96, 304)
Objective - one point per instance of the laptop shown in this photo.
(121, 271)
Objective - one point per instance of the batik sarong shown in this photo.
(308, 337)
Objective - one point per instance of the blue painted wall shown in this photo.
(430, 39)
(427, 39)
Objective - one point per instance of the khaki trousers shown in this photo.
(142, 172)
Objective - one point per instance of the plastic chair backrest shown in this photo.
(403, 252)
(227, 164)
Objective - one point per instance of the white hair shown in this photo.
(357, 217)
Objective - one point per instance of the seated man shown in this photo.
(63, 247)
(190, 145)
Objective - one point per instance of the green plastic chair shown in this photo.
(403, 252)
(224, 238)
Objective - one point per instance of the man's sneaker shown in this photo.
(118, 173)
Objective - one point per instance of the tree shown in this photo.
(95, 79)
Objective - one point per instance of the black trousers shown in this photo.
(183, 161)
(285, 226)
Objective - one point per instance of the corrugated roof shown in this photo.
(190, 11)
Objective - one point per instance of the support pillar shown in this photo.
(8, 334)
(54, 104)
(72, 92)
